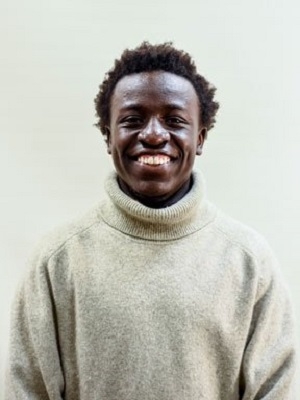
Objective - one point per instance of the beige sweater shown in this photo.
(133, 303)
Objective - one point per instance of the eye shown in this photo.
(132, 120)
(174, 120)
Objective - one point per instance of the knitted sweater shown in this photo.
(134, 303)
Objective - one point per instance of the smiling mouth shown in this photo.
(159, 159)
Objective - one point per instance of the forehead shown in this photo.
(155, 88)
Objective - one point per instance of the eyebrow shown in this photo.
(139, 107)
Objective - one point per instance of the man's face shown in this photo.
(154, 132)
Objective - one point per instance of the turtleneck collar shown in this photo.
(129, 216)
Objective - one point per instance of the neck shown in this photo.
(160, 201)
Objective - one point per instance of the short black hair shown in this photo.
(147, 58)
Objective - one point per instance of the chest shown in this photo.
(178, 288)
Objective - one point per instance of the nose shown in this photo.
(154, 134)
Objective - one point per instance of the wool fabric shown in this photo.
(135, 303)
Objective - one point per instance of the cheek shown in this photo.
(189, 147)
(120, 140)
(116, 155)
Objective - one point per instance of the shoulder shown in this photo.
(49, 263)
(252, 244)
(56, 240)
(241, 235)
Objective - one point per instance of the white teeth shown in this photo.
(154, 160)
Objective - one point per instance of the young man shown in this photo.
(154, 294)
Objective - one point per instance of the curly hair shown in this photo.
(147, 58)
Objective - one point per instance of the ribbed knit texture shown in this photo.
(181, 303)
(181, 219)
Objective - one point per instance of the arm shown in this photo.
(269, 362)
(34, 371)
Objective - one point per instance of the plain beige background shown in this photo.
(53, 161)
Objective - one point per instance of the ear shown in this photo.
(108, 139)
(201, 138)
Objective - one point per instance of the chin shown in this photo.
(153, 190)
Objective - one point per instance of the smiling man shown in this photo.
(154, 294)
(154, 134)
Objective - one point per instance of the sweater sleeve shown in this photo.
(34, 371)
(269, 362)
